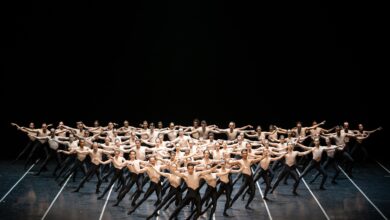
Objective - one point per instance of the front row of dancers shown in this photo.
(184, 164)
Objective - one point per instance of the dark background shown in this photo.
(174, 61)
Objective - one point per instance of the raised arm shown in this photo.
(327, 130)
(303, 146)
(278, 158)
(251, 135)
(67, 152)
(108, 152)
(305, 152)
(69, 128)
(331, 148)
(189, 156)
(23, 129)
(257, 159)
(16, 125)
(245, 127)
(30, 130)
(370, 132)
(317, 125)
(330, 135)
(281, 130)
(208, 171)
(215, 131)
(219, 131)
(105, 162)
(182, 175)
(256, 144)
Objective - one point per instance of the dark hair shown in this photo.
(190, 164)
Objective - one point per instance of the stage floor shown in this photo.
(365, 196)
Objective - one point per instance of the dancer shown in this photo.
(330, 160)
(360, 135)
(246, 163)
(225, 185)
(316, 161)
(31, 135)
(290, 167)
(192, 179)
(136, 177)
(174, 190)
(264, 171)
(41, 132)
(155, 184)
(96, 156)
(118, 162)
(52, 142)
(81, 153)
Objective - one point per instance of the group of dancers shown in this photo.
(177, 161)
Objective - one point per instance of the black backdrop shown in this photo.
(174, 61)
